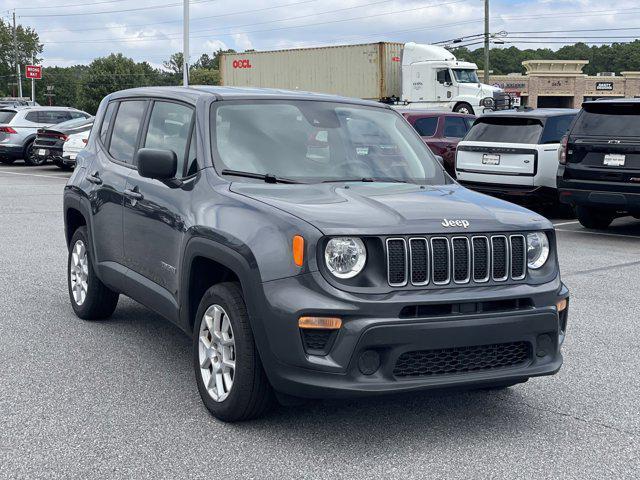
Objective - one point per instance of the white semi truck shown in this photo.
(417, 76)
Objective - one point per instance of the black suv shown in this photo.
(599, 170)
(311, 245)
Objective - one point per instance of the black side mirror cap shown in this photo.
(157, 164)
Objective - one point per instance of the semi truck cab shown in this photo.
(433, 78)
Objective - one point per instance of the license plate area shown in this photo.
(42, 152)
(614, 160)
(490, 159)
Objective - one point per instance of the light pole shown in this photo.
(15, 52)
(185, 44)
(486, 41)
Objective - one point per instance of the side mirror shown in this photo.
(439, 159)
(157, 164)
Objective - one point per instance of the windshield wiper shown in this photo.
(267, 177)
(367, 179)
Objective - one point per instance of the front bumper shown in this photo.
(373, 323)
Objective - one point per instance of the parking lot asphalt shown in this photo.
(117, 398)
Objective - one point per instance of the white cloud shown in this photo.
(242, 41)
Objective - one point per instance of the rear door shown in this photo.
(604, 143)
(500, 149)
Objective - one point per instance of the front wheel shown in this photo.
(594, 218)
(230, 377)
(464, 108)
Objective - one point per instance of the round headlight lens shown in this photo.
(537, 249)
(345, 256)
(488, 102)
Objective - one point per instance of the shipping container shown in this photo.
(371, 71)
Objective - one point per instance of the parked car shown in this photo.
(19, 125)
(441, 131)
(599, 169)
(354, 269)
(51, 143)
(514, 154)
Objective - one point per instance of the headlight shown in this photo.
(488, 102)
(345, 256)
(537, 249)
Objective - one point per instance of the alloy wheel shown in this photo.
(217, 352)
(79, 272)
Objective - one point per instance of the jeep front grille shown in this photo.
(455, 260)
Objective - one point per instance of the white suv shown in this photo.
(19, 126)
(514, 154)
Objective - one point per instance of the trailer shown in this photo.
(369, 71)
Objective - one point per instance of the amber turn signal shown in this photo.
(298, 250)
(326, 323)
(561, 305)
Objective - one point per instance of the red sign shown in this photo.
(33, 71)
(395, 59)
(242, 64)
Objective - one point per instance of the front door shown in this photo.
(156, 213)
(444, 85)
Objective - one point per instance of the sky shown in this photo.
(76, 31)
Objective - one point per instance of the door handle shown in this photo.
(133, 193)
(94, 178)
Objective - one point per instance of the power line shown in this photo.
(167, 37)
(220, 15)
(152, 7)
(67, 6)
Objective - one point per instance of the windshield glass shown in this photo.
(6, 116)
(314, 141)
(505, 130)
(465, 76)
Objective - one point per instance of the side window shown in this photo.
(169, 128)
(77, 115)
(454, 127)
(555, 128)
(126, 127)
(426, 127)
(106, 121)
(32, 117)
(53, 116)
(443, 76)
(192, 160)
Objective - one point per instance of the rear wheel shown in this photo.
(90, 298)
(594, 218)
(29, 157)
(229, 374)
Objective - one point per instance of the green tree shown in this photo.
(204, 76)
(28, 45)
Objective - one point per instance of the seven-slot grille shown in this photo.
(455, 259)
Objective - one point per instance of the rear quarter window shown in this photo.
(555, 128)
(506, 130)
(612, 120)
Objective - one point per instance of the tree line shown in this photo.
(84, 86)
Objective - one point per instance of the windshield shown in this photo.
(505, 130)
(314, 141)
(609, 119)
(465, 75)
(6, 115)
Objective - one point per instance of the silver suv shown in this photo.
(19, 126)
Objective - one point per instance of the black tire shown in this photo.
(594, 218)
(250, 395)
(100, 301)
(464, 107)
(7, 161)
(28, 157)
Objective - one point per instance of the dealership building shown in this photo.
(561, 83)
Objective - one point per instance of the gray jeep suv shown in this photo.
(311, 245)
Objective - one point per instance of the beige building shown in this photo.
(561, 83)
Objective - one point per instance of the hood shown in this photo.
(480, 90)
(392, 208)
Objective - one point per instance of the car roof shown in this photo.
(192, 93)
(32, 108)
(540, 113)
(624, 101)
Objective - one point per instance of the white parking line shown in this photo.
(572, 222)
(34, 175)
(597, 233)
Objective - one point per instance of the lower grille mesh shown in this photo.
(450, 361)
